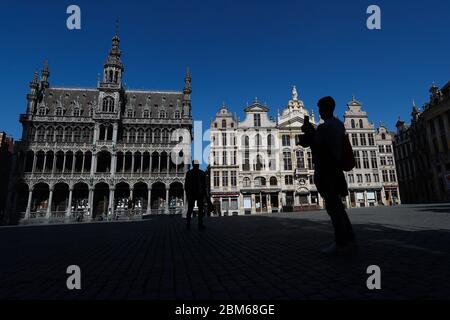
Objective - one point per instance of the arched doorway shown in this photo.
(176, 197)
(80, 197)
(140, 196)
(158, 200)
(121, 197)
(101, 201)
(103, 161)
(60, 199)
(39, 202)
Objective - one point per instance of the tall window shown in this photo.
(368, 178)
(357, 159)
(165, 136)
(310, 162)
(50, 133)
(257, 120)
(300, 159)
(365, 160)
(132, 137)
(59, 134)
(392, 176)
(287, 160)
(361, 123)
(224, 158)
(363, 139)
(388, 149)
(247, 183)
(233, 179)
(216, 158)
(224, 123)
(371, 140)
(225, 178)
(140, 136)
(354, 139)
(234, 158)
(77, 134)
(381, 149)
(359, 178)
(258, 140)
(216, 179)
(286, 140)
(385, 176)
(373, 156)
(383, 161)
(270, 142)
(353, 124)
(224, 138)
(108, 104)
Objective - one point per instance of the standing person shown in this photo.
(195, 188)
(327, 145)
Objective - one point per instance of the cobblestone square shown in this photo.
(242, 257)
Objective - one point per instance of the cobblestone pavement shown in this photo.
(253, 257)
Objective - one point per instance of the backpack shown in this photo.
(348, 158)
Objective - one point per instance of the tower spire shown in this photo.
(45, 75)
(187, 82)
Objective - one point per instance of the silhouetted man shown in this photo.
(327, 148)
(195, 188)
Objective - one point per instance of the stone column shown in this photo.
(167, 200)
(115, 129)
(69, 206)
(91, 202)
(142, 163)
(111, 201)
(64, 163)
(74, 160)
(253, 204)
(54, 164)
(45, 162)
(30, 197)
(34, 163)
(113, 163)
(82, 166)
(149, 210)
(50, 200)
(93, 163)
(168, 164)
(132, 163)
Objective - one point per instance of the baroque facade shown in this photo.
(257, 165)
(101, 150)
(422, 150)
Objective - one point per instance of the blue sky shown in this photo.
(236, 50)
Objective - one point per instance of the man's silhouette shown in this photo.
(195, 188)
(327, 148)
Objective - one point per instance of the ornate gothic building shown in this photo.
(101, 150)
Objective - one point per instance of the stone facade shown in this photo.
(102, 150)
(274, 173)
(422, 150)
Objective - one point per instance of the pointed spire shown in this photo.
(187, 82)
(45, 74)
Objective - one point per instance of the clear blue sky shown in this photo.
(236, 50)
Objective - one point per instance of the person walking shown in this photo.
(195, 188)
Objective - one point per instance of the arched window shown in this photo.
(86, 135)
(108, 104)
(245, 142)
(258, 140)
(353, 124)
(165, 136)
(157, 137)
(68, 135)
(247, 182)
(360, 123)
(132, 137)
(383, 136)
(273, 181)
(77, 134)
(59, 134)
(224, 123)
(140, 136)
(41, 134)
(50, 132)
